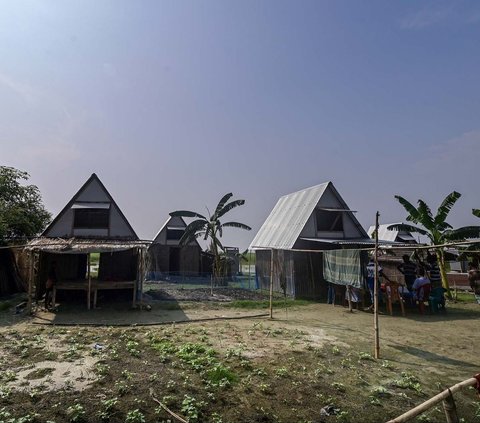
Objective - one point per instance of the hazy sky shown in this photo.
(174, 103)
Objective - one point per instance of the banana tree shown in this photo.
(472, 249)
(211, 228)
(435, 228)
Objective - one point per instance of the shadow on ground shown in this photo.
(122, 314)
(431, 357)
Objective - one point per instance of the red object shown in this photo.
(477, 376)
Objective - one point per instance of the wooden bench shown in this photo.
(93, 287)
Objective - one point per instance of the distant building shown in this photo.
(385, 234)
(167, 257)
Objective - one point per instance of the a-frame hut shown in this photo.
(167, 258)
(300, 224)
(91, 222)
(392, 235)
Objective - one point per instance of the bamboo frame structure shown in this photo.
(447, 393)
(31, 277)
(89, 294)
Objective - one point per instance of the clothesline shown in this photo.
(380, 247)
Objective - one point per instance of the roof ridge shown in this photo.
(306, 189)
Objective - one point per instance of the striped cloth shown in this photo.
(409, 269)
(435, 276)
(343, 267)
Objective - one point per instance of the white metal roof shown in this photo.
(287, 219)
(289, 216)
(385, 234)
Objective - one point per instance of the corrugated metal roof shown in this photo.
(384, 234)
(287, 219)
(355, 241)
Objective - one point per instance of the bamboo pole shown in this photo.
(136, 286)
(174, 415)
(450, 408)
(375, 293)
(89, 282)
(142, 273)
(30, 282)
(271, 285)
(419, 409)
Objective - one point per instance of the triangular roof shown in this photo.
(92, 194)
(290, 215)
(385, 234)
(173, 222)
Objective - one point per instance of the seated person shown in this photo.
(421, 289)
(405, 294)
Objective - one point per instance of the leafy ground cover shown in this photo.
(312, 363)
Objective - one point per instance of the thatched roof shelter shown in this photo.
(83, 245)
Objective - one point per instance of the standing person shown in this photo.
(49, 285)
(434, 271)
(474, 280)
(371, 279)
(409, 270)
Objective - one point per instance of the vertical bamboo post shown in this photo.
(375, 292)
(271, 284)
(450, 408)
(136, 284)
(142, 275)
(89, 282)
(249, 269)
(30, 282)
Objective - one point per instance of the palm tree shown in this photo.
(436, 228)
(211, 228)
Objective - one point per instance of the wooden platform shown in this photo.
(93, 286)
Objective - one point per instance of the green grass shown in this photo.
(250, 304)
(94, 258)
(465, 297)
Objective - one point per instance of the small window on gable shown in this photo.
(329, 221)
(91, 218)
(174, 234)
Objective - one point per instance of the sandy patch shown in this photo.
(76, 375)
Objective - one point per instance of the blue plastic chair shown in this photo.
(436, 299)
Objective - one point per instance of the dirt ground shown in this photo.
(310, 363)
